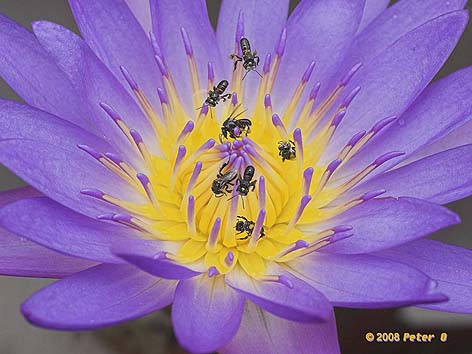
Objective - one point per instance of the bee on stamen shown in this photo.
(217, 94)
(224, 181)
(235, 128)
(245, 225)
(249, 59)
(246, 182)
(287, 150)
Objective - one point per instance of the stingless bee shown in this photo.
(216, 95)
(245, 225)
(287, 150)
(235, 127)
(221, 185)
(246, 182)
(249, 59)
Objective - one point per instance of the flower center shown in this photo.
(230, 187)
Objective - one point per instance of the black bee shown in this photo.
(221, 185)
(245, 225)
(287, 150)
(216, 95)
(250, 59)
(231, 126)
(246, 182)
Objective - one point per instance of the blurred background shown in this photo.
(153, 334)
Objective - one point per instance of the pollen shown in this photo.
(232, 187)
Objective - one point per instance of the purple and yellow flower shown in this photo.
(122, 164)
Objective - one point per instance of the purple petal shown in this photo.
(51, 225)
(449, 265)
(263, 333)
(142, 12)
(263, 23)
(365, 281)
(392, 80)
(399, 19)
(29, 70)
(372, 9)
(101, 296)
(441, 178)
(95, 84)
(23, 258)
(14, 195)
(61, 175)
(321, 31)
(441, 107)
(300, 302)
(206, 313)
(18, 121)
(150, 256)
(114, 34)
(462, 135)
(382, 223)
(20, 257)
(169, 16)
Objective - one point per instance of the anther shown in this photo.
(279, 125)
(350, 97)
(213, 238)
(212, 271)
(131, 82)
(188, 128)
(229, 259)
(186, 40)
(282, 279)
(267, 101)
(162, 96)
(234, 99)
(266, 67)
(300, 244)
(301, 207)
(307, 74)
(193, 179)
(96, 155)
(162, 67)
(211, 75)
(382, 124)
(155, 44)
(372, 194)
(280, 49)
(92, 192)
(239, 32)
(350, 74)
(146, 183)
(297, 138)
(307, 178)
(192, 228)
(256, 232)
(262, 193)
(181, 152)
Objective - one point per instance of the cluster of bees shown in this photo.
(234, 128)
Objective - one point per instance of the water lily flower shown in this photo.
(353, 152)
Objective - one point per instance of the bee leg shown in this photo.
(243, 238)
(256, 57)
(253, 185)
(226, 97)
(236, 62)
